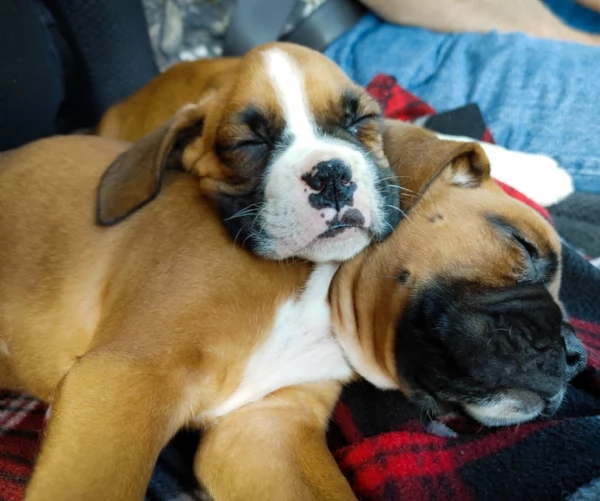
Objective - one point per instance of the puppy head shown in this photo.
(289, 150)
(459, 307)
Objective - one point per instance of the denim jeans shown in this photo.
(537, 96)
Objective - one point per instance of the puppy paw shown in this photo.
(538, 177)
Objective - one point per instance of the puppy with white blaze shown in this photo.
(301, 170)
(320, 176)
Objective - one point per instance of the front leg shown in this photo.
(110, 419)
(274, 449)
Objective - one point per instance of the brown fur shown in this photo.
(135, 116)
(131, 332)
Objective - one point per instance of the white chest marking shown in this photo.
(300, 349)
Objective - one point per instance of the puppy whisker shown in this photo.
(392, 177)
(244, 226)
(251, 234)
(399, 210)
(258, 215)
(243, 212)
(403, 188)
(238, 234)
(262, 228)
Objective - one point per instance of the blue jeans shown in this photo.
(537, 96)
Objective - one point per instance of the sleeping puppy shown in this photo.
(483, 329)
(465, 293)
(160, 322)
(221, 80)
(290, 154)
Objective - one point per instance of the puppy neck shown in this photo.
(364, 319)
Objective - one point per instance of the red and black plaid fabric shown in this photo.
(21, 422)
(380, 440)
(382, 444)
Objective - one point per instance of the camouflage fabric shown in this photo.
(185, 30)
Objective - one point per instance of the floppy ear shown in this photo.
(418, 157)
(135, 177)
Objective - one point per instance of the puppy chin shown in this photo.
(293, 229)
(336, 249)
(321, 250)
(507, 408)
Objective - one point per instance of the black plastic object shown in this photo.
(255, 22)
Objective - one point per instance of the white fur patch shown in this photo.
(300, 348)
(462, 179)
(539, 177)
(288, 82)
(506, 410)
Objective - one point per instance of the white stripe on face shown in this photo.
(288, 83)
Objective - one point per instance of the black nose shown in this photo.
(333, 180)
(574, 351)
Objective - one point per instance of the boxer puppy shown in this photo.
(285, 145)
(159, 322)
(190, 82)
(471, 317)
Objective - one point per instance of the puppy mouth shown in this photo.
(516, 406)
(352, 218)
(503, 408)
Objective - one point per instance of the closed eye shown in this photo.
(251, 143)
(540, 268)
(527, 246)
(262, 129)
(533, 271)
(245, 145)
(354, 124)
(358, 111)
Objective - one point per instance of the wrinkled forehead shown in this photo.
(479, 234)
(293, 85)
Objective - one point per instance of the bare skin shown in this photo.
(531, 17)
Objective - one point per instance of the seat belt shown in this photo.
(255, 22)
(327, 23)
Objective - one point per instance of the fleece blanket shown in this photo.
(386, 449)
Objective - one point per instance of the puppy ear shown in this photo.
(135, 177)
(418, 157)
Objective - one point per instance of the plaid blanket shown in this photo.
(383, 445)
